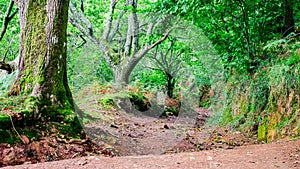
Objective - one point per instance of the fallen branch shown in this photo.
(6, 66)
(23, 138)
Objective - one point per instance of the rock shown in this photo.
(25, 139)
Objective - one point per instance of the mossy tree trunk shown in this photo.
(42, 66)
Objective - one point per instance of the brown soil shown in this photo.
(264, 156)
(142, 141)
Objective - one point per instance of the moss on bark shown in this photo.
(42, 76)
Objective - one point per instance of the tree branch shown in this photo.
(78, 20)
(107, 29)
(164, 37)
(7, 18)
(116, 27)
(81, 6)
(152, 68)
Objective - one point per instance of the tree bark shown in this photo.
(289, 23)
(42, 69)
(170, 85)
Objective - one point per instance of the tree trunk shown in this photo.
(121, 76)
(42, 68)
(123, 70)
(170, 85)
(289, 23)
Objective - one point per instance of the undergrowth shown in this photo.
(266, 103)
(6, 82)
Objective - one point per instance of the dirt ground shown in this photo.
(283, 155)
(137, 140)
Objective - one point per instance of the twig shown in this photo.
(15, 129)
(75, 154)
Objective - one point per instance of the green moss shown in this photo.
(5, 122)
(107, 103)
(11, 137)
(70, 130)
(6, 137)
(272, 92)
(262, 132)
(31, 133)
(272, 129)
(140, 102)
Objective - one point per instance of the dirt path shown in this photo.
(130, 136)
(277, 155)
(142, 141)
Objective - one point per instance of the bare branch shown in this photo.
(142, 52)
(81, 6)
(152, 68)
(81, 20)
(78, 20)
(84, 41)
(7, 18)
(150, 28)
(164, 37)
(107, 29)
(176, 58)
(116, 27)
(5, 54)
(131, 44)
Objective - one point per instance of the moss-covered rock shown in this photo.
(140, 102)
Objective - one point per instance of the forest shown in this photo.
(113, 77)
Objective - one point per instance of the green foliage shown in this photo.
(262, 70)
(238, 30)
(106, 103)
(140, 102)
(11, 38)
(6, 81)
(149, 79)
(266, 103)
(86, 66)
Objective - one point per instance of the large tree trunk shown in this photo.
(42, 69)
